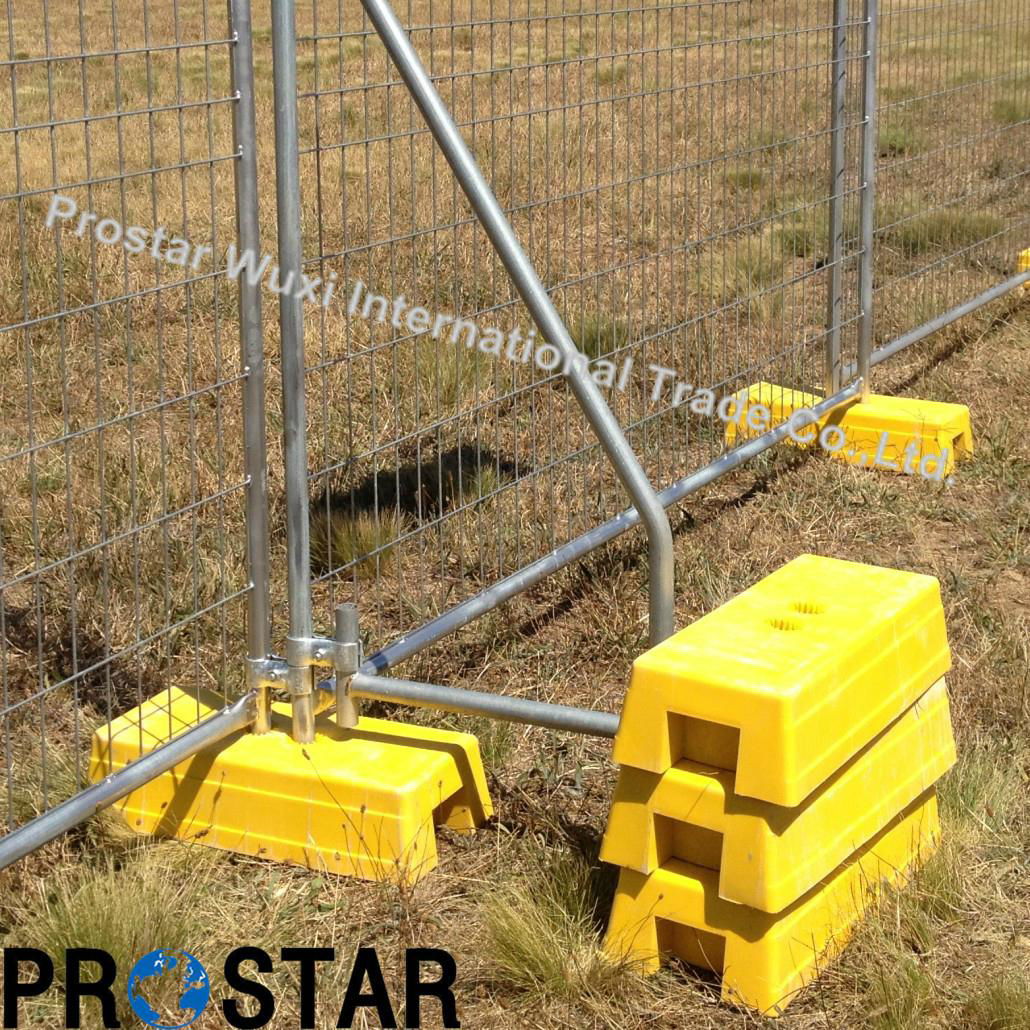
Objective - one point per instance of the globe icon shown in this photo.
(163, 973)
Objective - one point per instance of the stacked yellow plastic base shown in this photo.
(779, 760)
(894, 433)
(362, 801)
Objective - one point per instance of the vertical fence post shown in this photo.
(839, 72)
(291, 325)
(252, 348)
(870, 46)
(346, 633)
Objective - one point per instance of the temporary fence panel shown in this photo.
(670, 171)
(953, 180)
(706, 190)
(122, 473)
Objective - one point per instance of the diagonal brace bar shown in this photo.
(541, 308)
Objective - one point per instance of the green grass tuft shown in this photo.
(33, 791)
(901, 995)
(450, 375)
(946, 227)
(896, 140)
(1012, 110)
(744, 178)
(744, 269)
(497, 740)
(609, 73)
(482, 484)
(362, 542)
(982, 793)
(806, 235)
(772, 138)
(901, 91)
(127, 909)
(1002, 1002)
(542, 931)
(597, 336)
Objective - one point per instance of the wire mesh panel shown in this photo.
(121, 531)
(685, 177)
(953, 207)
(668, 169)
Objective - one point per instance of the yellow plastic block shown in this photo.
(768, 856)
(876, 431)
(1024, 266)
(362, 801)
(763, 959)
(789, 679)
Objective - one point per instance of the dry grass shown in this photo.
(523, 903)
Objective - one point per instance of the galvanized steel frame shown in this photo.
(354, 677)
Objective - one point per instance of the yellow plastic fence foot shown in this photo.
(787, 681)
(1024, 266)
(362, 801)
(768, 856)
(899, 434)
(763, 959)
(779, 760)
